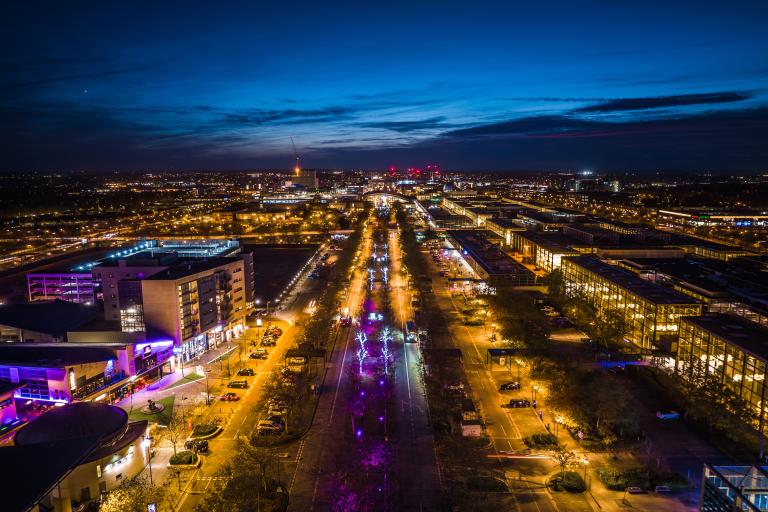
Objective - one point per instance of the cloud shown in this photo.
(679, 100)
(409, 126)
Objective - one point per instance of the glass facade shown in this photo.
(730, 488)
(703, 353)
(650, 323)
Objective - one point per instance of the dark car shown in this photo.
(230, 397)
(268, 342)
(198, 445)
(245, 372)
(242, 384)
(509, 386)
(518, 404)
(259, 353)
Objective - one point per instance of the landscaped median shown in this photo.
(205, 431)
(186, 459)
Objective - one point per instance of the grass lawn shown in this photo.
(190, 377)
(161, 418)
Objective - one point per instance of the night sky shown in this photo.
(469, 85)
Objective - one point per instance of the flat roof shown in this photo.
(493, 260)
(52, 355)
(553, 241)
(694, 271)
(190, 267)
(504, 222)
(651, 292)
(50, 317)
(735, 330)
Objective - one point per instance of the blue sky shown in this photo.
(471, 85)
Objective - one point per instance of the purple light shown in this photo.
(362, 393)
(381, 418)
(359, 433)
(381, 382)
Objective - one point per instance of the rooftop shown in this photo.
(492, 259)
(189, 268)
(645, 289)
(53, 355)
(50, 317)
(735, 330)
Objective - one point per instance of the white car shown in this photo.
(667, 415)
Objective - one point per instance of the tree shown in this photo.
(563, 458)
(555, 282)
(245, 482)
(176, 431)
(133, 495)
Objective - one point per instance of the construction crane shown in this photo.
(297, 169)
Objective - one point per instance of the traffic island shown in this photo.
(186, 459)
(569, 481)
(205, 431)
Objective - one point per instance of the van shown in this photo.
(242, 384)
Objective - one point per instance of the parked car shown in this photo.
(245, 372)
(268, 342)
(635, 490)
(278, 411)
(259, 353)
(242, 384)
(662, 488)
(266, 427)
(509, 386)
(230, 397)
(198, 445)
(667, 415)
(518, 404)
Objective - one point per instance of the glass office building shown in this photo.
(652, 312)
(730, 350)
(732, 488)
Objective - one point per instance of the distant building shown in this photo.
(305, 178)
(488, 260)
(76, 286)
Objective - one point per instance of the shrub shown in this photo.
(571, 481)
(203, 430)
(540, 441)
(185, 457)
(619, 479)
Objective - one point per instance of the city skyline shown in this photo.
(504, 87)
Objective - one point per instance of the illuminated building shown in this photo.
(198, 304)
(76, 287)
(70, 455)
(730, 488)
(730, 352)
(651, 312)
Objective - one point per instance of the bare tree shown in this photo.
(176, 431)
(564, 458)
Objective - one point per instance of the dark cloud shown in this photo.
(680, 100)
(257, 117)
(409, 126)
